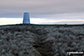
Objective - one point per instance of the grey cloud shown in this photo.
(41, 8)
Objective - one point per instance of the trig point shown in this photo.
(26, 18)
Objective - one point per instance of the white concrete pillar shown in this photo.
(26, 18)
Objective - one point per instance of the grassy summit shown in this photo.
(40, 40)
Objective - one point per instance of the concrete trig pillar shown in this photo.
(26, 18)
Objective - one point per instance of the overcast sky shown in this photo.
(42, 8)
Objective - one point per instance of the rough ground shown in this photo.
(40, 40)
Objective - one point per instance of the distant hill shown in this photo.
(40, 40)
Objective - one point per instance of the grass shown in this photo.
(65, 25)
